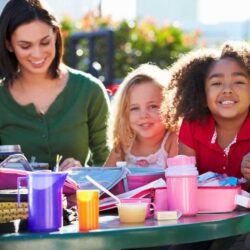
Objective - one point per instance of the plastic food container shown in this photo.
(217, 199)
(6, 150)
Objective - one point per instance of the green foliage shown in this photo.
(136, 42)
(67, 27)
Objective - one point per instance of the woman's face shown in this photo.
(227, 89)
(34, 46)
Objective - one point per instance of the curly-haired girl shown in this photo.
(138, 134)
(213, 96)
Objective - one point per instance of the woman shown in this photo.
(45, 106)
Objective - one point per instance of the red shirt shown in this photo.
(210, 156)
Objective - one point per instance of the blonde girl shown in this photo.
(137, 132)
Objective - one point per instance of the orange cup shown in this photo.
(88, 209)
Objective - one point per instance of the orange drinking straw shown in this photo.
(88, 209)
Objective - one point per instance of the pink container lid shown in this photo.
(181, 160)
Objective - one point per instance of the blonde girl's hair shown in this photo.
(119, 132)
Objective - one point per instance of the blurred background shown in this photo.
(110, 37)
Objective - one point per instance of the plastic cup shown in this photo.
(160, 199)
(150, 205)
(44, 200)
(132, 211)
(88, 209)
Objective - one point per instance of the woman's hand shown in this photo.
(69, 163)
(245, 166)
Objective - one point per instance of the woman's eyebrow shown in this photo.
(24, 41)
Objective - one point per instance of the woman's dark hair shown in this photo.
(14, 14)
(188, 75)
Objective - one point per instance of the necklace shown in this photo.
(41, 96)
(39, 99)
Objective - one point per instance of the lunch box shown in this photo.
(217, 199)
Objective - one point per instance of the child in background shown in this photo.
(137, 132)
(213, 96)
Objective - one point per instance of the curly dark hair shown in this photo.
(188, 74)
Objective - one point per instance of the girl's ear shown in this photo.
(9, 46)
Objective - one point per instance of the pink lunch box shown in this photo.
(217, 199)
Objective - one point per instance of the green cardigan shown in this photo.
(74, 125)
